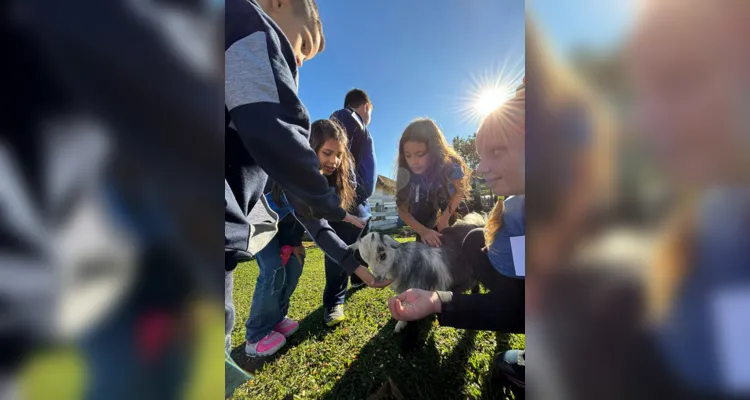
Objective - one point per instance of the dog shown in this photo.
(417, 264)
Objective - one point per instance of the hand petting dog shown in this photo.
(431, 237)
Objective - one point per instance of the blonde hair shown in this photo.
(494, 223)
(563, 107)
(557, 87)
(671, 260)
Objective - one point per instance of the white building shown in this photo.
(383, 205)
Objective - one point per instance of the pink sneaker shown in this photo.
(267, 346)
(286, 327)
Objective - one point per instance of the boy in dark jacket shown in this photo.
(267, 126)
(354, 117)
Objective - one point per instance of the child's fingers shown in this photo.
(403, 296)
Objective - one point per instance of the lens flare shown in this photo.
(488, 91)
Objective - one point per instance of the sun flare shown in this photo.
(489, 90)
(490, 99)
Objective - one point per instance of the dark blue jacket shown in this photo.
(363, 151)
(290, 231)
(267, 131)
(319, 230)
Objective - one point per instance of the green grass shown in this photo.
(353, 360)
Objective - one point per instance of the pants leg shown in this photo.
(293, 273)
(265, 311)
(336, 279)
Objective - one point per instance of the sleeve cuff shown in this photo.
(339, 215)
(445, 300)
(350, 263)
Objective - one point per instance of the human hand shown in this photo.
(431, 237)
(369, 279)
(414, 304)
(356, 221)
(299, 252)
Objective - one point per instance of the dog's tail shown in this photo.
(473, 219)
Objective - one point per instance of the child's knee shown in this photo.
(278, 280)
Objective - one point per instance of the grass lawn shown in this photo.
(355, 359)
(351, 361)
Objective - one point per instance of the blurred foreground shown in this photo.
(111, 161)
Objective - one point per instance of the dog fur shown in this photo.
(417, 264)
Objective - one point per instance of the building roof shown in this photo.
(386, 183)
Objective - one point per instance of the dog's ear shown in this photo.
(389, 241)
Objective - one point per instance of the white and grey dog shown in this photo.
(418, 265)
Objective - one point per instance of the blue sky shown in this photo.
(590, 23)
(414, 58)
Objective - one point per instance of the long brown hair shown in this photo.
(442, 157)
(342, 179)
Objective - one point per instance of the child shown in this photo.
(267, 126)
(267, 326)
(432, 178)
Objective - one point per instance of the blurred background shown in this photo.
(638, 206)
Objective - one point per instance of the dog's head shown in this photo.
(378, 251)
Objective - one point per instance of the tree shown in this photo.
(466, 147)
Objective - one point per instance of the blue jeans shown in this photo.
(275, 285)
(336, 279)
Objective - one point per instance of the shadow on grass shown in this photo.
(419, 374)
(494, 386)
(310, 328)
